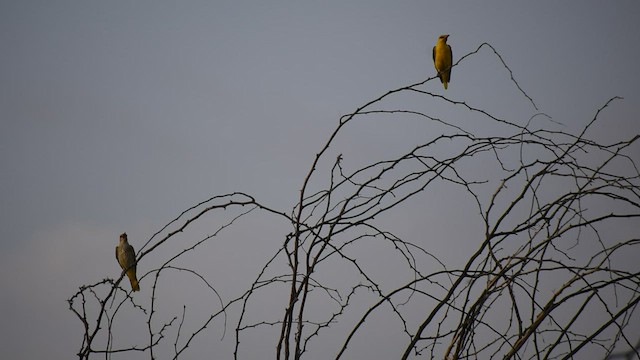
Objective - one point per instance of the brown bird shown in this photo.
(443, 60)
(126, 257)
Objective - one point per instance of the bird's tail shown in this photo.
(445, 84)
(133, 280)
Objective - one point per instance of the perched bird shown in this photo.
(443, 59)
(126, 257)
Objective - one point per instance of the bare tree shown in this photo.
(547, 273)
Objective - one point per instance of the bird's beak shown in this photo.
(446, 37)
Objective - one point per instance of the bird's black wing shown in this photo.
(451, 55)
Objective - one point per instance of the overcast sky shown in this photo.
(117, 115)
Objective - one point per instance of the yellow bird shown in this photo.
(126, 257)
(443, 59)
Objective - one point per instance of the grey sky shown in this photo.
(117, 115)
